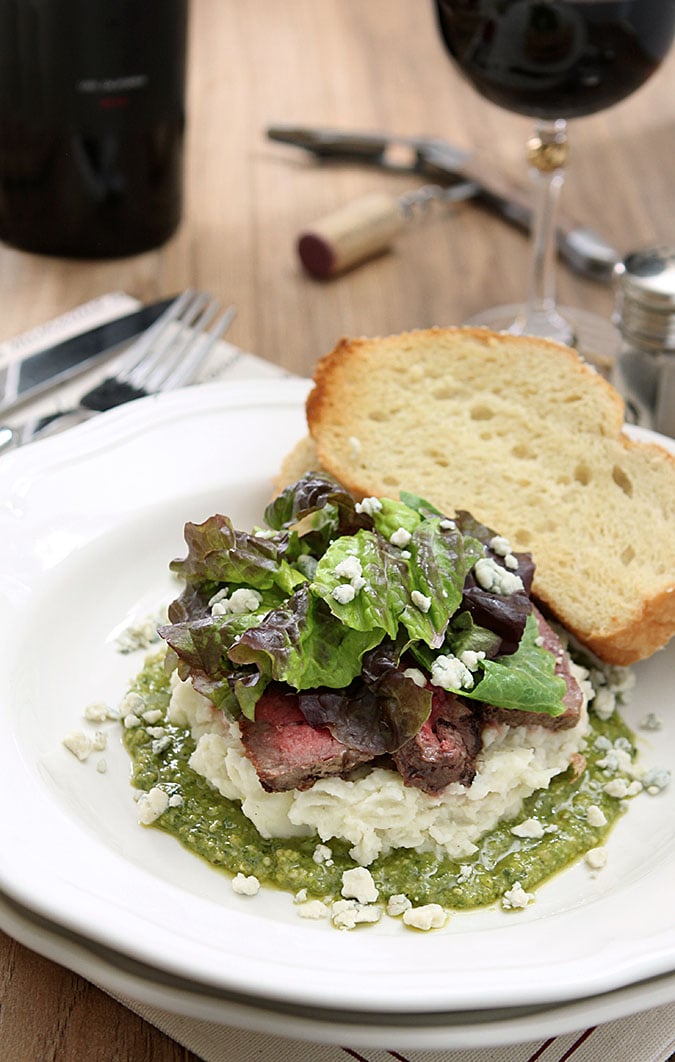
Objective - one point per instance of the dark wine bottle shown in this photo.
(92, 119)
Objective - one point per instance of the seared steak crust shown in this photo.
(287, 752)
(445, 749)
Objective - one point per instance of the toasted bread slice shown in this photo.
(527, 437)
(302, 458)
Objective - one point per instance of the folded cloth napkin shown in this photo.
(645, 1037)
(224, 359)
(648, 1036)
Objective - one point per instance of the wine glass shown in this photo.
(554, 60)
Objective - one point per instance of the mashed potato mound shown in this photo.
(377, 812)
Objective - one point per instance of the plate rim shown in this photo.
(498, 1028)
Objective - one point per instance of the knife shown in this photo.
(31, 376)
(583, 249)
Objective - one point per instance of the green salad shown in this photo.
(333, 581)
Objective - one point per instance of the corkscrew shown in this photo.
(369, 225)
(447, 166)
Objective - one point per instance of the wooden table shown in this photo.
(348, 64)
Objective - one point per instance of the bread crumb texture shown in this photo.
(527, 437)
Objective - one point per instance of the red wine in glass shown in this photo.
(553, 60)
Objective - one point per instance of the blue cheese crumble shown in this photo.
(448, 672)
(428, 916)
(596, 816)
(245, 885)
(516, 898)
(347, 914)
(400, 537)
(344, 593)
(141, 634)
(656, 779)
(420, 601)
(596, 858)
(502, 547)
(398, 905)
(358, 884)
(238, 603)
(350, 568)
(651, 722)
(491, 576)
(528, 828)
(77, 742)
(322, 854)
(369, 506)
(151, 805)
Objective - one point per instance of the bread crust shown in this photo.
(349, 349)
(374, 391)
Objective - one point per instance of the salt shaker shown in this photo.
(645, 318)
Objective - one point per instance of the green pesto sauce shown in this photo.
(216, 829)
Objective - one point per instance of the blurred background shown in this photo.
(347, 64)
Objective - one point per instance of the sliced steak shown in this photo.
(572, 700)
(445, 749)
(287, 752)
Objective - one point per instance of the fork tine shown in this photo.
(166, 344)
(182, 331)
(138, 350)
(196, 352)
(150, 375)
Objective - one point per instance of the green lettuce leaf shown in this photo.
(420, 505)
(418, 587)
(379, 604)
(304, 645)
(394, 515)
(218, 554)
(440, 561)
(524, 680)
(465, 634)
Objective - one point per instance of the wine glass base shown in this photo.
(595, 337)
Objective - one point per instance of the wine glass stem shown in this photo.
(546, 151)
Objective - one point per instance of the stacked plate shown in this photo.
(88, 522)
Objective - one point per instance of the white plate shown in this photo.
(88, 522)
(134, 983)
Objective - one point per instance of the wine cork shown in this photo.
(357, 231)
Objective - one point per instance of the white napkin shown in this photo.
(645, 1037)
(224, 359)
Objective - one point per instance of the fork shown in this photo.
(167, 355)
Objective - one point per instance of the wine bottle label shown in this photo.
(73, 62)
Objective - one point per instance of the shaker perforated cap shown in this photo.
(645, 286)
